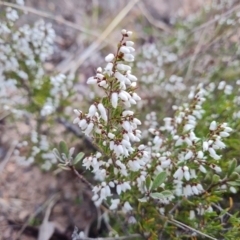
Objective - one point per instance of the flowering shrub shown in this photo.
(28, 94)
(170, 187)
(155, 177)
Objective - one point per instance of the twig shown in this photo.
(4, 116)
(116, 238)
(58, 19)
(173, 221)
(40, 209)
(83, 179)
(194, 56)
(212, 21)
(76, 63)
(7, 157)
(157, 23)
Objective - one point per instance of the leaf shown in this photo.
(234, 183)
(78, 158)
(166, 193)
(215, 178)
(57, 155)
(63, 166)
(148, 182)
(63, 148)
(157, 195)
(144, 199)
(160, 178)
(232, 167)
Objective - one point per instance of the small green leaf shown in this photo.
(57, 155)
(160, 178)
(215, 178)
(144, 199)
(237, 169)
(148, 182)
(63, 166)
(232, 167)
(157, 195)
(234, 176)
(63, 148)
(166, 193)
(78, 158)
(234, 183)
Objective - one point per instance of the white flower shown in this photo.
(126, 207)
(103, 112)
(188, 155)
(224, 134)
(186, 173)
(213, 126)
(202, 169)
(233, 189)
(178, 174)
(205, 146)
(89, 128)
(114, 204)
(111, 135)
(92, 110)
(114, 99)
(109, 57)
(124, 31)
(108, 68)
(92, 80)
(213, 154)
(192, 215)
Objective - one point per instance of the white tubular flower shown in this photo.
(128, 57)
(122, 78)
(124, 31)
(213, 154)
(89, 128)
(187, 191)
(108, 68)
(114, 99)
(188, 155)
(123, 67)
(131, 77)
(186, 173)
(111, 135)
(202, 169)
(92, 110)
(124, 49)
(136, 97)
(233, 190)
(178, 174)
(109, 57)
(83, 124)
(102, 111)
(192, 215)
(216, 168)
(127, 207)
(129, 33)
(129, 43)
(224, 134)
(92, 80)
(213, 126)
(218, 144)
(114, 204)
(205, 146)
(195, 190)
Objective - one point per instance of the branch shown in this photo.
(116, 238)
(177, 223)
(83, 179)
(58, 19)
